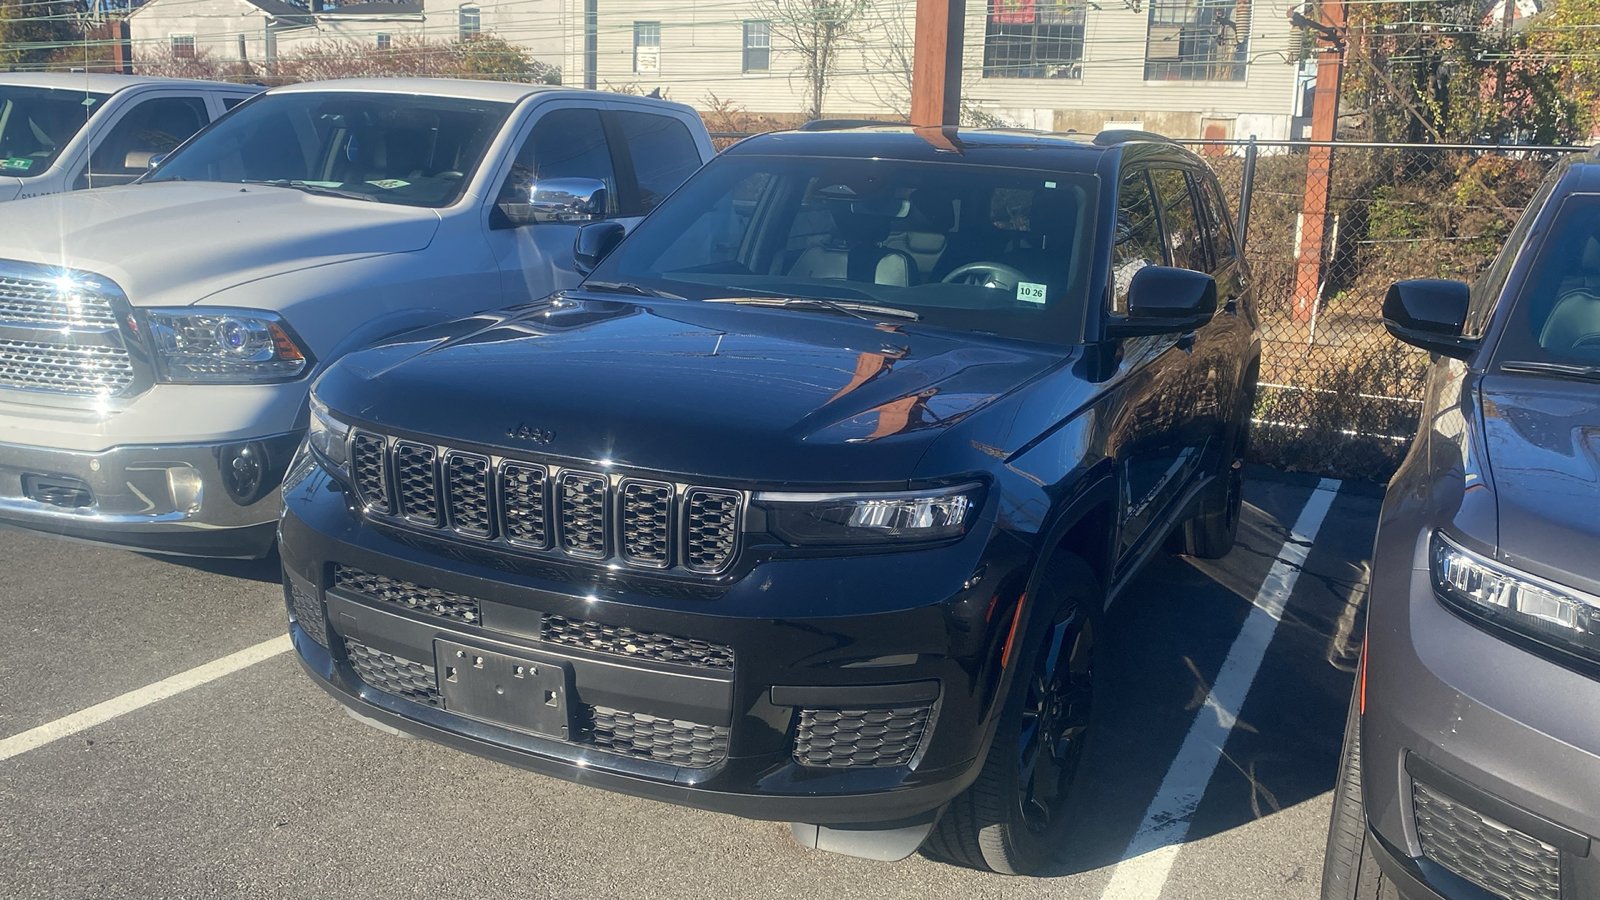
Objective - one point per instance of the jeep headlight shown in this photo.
(1558, 617)
(329, 438)
(197, 345)
(871, 518)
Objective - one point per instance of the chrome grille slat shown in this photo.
(467, 483)
(61, 340)
(416, 482)
(583, 514)
(642, 522)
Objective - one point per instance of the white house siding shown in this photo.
(357, 32)
(216, 26)
(535, 25)
(701, 55)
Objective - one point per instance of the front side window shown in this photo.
(1186, 245)
(647, 47)
(37, 123)
(664, 154)
(152, 127)
(1197, 40)
(1138, 239)
(564, 143)
(183, 46)
(757, 45)
(980, 249)
(469, 23)
(389, 148)
(1034, 39)
(1557, 314)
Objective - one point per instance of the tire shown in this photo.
(1349, 870)
(1000, 824)
(1212, 530)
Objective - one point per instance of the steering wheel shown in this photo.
(987, 274)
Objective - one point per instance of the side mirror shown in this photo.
(157, 159)
(593, 243)
(1163, 300)
(567, 200)
(1430, 313)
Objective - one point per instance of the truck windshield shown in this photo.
(388, 148)
(1556, 319)
(37, 123)
(977, 248)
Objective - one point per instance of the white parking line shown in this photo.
(142, 697)
(1148, 860)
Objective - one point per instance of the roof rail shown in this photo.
(843, 124)
(1123, 135)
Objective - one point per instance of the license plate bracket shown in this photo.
(525, 692)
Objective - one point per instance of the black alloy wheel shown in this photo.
(1055, 719)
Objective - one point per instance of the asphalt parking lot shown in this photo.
(1210, 775)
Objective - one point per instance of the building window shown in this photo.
(183, 46)
(385, 42)
(1197, 40)
(647, 47)
(1034, 39)
(757, 45)
(468, 24)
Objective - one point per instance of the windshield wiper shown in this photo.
(628, 287)
(320, 189)
(1563, 370)
(871, 312)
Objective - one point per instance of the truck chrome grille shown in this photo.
(644, 523)
(59, 339)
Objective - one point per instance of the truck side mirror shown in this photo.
(565, 200)
(593, 243)
(1164, 300)
(1430, 313)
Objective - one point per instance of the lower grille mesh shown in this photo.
(672, 741)
(859, 738)
(430, 601)
(394, 674)
(1488, 853)
(307, 611)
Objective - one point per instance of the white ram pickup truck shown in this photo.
(65, 132)
(157, 340)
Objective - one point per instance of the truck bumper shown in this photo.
(189, 499)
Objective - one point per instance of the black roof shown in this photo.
(282, 10)
(1006, 147)
(376, 9)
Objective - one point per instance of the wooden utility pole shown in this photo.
(1319, 162)
(936, 63)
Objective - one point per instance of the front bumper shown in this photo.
(169, 499)
(1480, 760)
(725, 702)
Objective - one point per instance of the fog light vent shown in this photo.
(1484, 851)
(860, 738)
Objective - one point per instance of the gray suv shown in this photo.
(1471, 762)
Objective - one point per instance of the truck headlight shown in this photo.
(1558, 617)
(329, 438)
(871, 518)
(196, 345)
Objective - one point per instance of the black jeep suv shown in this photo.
(806, 505)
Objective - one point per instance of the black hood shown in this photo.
(1543, 442)
(719, 391)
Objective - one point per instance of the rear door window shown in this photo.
(1218, 225)
(663, 152)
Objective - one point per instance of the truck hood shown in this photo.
(9, 188)
(178, 243)
(1543, 441)
(698, 389)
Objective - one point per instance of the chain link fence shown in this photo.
(1329, 227)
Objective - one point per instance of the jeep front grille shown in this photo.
(60, 337)
(579, 513)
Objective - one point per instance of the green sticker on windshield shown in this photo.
(389, 183)
(17, 164)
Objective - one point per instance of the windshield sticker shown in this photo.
(1029, 292)
(16, 164)
(389, 184)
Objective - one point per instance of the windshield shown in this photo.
(391, 148)
(977, 248)
(37, 123)
(1557, 316)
